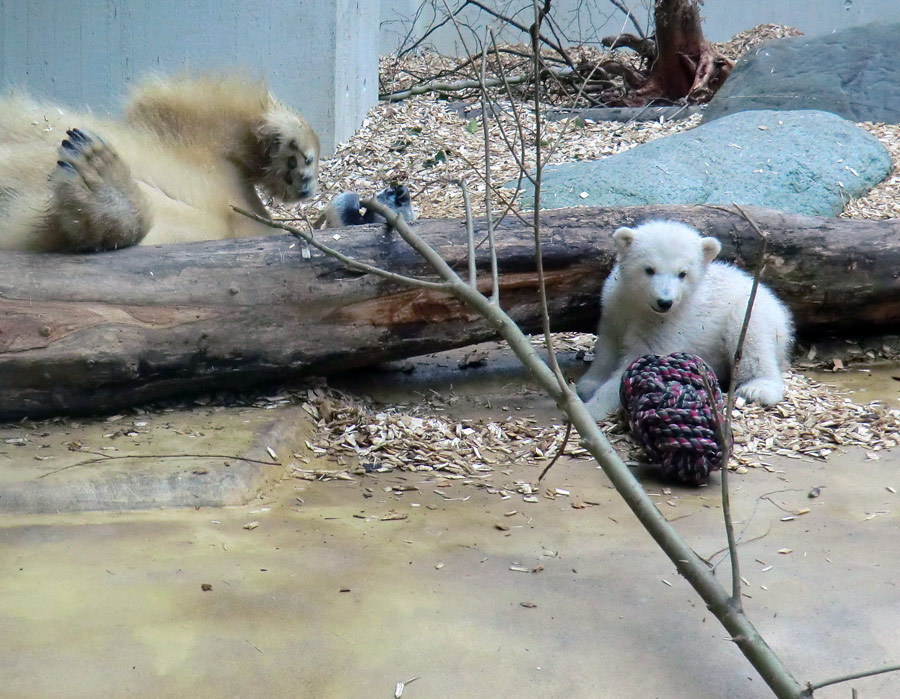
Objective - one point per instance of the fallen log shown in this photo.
(91, 333)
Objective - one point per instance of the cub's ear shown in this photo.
(710, 247)
(623, 238)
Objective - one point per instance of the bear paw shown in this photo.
(762, 390)
(605, 400)
(96, 204)
(587, 387)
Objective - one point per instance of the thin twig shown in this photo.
(538, 172)
(723, 436)
(813, 686)
(433, 28)
(435, 86)
(559, 452)
(725, 430)
(521, 27)
(488, 209)
(740, 542)
(623, 8)
(470, 235)
(349, 261)
(101, 458)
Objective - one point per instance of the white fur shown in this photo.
(708, 302)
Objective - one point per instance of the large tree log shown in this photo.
(87, 333)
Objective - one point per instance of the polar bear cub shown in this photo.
(665, 295)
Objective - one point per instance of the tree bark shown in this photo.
(88, 333)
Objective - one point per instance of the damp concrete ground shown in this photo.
(326, 598)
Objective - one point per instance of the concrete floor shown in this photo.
(325, 599)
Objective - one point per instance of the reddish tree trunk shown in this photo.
(684, 65)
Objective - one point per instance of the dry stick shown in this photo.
(521, 27)
(489, 214)
(723, 431)
(470, 234)
(495, 277)
(102, 458)
(686, 561)
(813, 686)
(559, 452)
(519, 157)
(349, 261)
(492, 247)
(538, 172)
(412, 25)
(630, 16)
(447, 87)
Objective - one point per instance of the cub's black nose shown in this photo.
(663, 304)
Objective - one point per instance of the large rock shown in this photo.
(854, 73)
(806, 162)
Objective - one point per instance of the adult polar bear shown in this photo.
(185, 151)
(665, 295)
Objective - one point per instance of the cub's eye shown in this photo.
(682, 275)
(650, 271)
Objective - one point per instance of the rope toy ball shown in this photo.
(672, 416)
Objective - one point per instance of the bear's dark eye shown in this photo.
(650, 271)
(682, 275)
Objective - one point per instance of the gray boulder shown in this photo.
(807, 162)
(854, 73)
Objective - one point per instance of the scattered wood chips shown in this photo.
(812, 422)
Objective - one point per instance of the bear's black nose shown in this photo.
(664, 304)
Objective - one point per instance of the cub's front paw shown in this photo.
(586, 387)
(762, 391)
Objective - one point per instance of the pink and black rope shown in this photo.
(672, 416)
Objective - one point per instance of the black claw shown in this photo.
(69, 146)
(65, 166)
(78, 136)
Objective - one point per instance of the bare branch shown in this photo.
(538, 170)
(349, 261)
(813, 686)
(489, 213)
(521, 27)
(559, 452)
(621, 6)
(449, 87)
(470, 235)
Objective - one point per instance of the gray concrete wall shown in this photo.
(587, 21)
(314, 55)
